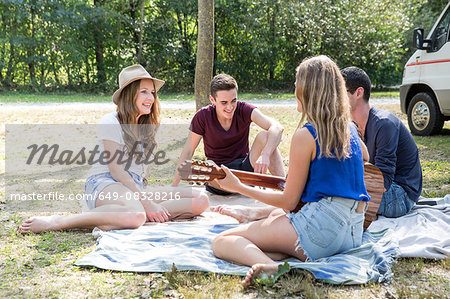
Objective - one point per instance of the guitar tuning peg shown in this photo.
(198, 183)
(191, 183)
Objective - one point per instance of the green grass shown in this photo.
(435, 163)
(15, 97)
(42, 265)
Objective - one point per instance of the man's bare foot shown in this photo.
(256, 270)
(242, 214)
(40, 224)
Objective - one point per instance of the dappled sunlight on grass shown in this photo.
(42, 265)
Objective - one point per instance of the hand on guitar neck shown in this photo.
(205, 171)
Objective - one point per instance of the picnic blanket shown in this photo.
(187, 245)
(423, 232)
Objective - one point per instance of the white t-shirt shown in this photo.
(109, 129)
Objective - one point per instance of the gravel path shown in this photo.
(168, 104)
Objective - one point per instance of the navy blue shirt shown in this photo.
(392, 149)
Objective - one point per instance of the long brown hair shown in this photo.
(320, 88)
(147, 124)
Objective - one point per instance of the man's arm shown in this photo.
(274, 132)
(192, 142)
(386, 144)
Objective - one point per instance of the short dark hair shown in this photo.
(355, 77)
(222, 82)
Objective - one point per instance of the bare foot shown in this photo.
(242, 214)
(257, 269)
(40, 224)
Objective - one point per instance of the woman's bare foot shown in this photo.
(40, 224)
(243, 214)
(256, 270)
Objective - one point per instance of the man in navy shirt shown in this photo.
(390, 144)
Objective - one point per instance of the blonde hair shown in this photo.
(148, 123)
(320, 88)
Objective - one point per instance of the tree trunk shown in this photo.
(31, 50)
(140, 59)
(205, 52)
(88, 70)
(2, 59)
(10, 71)
(55, 73)
(273, 46)
(119, 38)
(69, 76)
(98, 43)
(42, 77)
(133, 5)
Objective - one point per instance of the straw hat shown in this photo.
(131, 74)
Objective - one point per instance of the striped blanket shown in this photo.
(156, 248)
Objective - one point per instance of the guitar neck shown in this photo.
(258, 179)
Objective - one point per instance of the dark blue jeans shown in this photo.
(238, 164)
(395, 202)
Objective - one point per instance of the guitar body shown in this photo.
(203, 171)
(374, 181)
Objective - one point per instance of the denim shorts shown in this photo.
(97, 182)
(238, 164)
(395, 202)
(328, 227)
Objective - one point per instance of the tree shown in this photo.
(98, 38)
(205, 52)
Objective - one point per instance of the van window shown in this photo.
(441, 34)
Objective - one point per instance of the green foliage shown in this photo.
(81, 45)
(266, 280)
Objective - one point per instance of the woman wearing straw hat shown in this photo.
(115, 189)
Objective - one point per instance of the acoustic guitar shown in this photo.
(204, 171)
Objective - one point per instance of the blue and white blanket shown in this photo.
(156, 248)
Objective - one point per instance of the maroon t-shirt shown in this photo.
(224, 146)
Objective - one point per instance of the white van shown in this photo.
(425, 90)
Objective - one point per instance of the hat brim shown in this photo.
(158, 84)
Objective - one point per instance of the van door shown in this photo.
(435, 63)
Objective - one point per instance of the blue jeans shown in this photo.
(97, 182)
(328, 227)
(238, 164)
(395, 202)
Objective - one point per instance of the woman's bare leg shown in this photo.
(245, 214)
(191, 202)
(108, 214)
(247, 245)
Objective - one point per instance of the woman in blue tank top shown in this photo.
(326, 171)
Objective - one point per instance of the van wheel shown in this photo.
(424, 117)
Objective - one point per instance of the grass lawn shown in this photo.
(14, 97)
(42, 265)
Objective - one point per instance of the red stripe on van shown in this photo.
(428, 62)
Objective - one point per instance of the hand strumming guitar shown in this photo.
(230, 183)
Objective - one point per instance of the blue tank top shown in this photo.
(331, 177)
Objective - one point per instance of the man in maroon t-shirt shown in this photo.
(224, 126)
